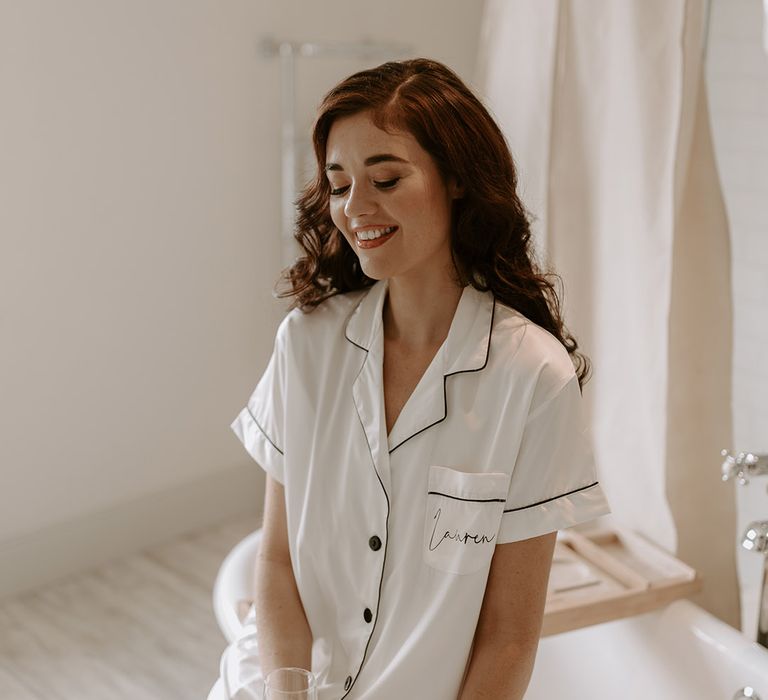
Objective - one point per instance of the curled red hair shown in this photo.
(490, 237)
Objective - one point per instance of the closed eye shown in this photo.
(385, 185)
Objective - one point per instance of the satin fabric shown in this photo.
(392, 535)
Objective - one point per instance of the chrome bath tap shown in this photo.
(755, 539)
(742, 467)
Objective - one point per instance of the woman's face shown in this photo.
(389, 200)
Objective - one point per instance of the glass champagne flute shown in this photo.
(290, 684)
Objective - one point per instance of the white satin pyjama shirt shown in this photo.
(391, 536)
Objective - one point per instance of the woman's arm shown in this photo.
(508, 630)
(283, 632)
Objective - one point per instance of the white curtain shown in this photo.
(604, 107)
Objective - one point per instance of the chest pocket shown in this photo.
(462, 518)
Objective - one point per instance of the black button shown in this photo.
(367, 615)
(348, 683)
(374, 543)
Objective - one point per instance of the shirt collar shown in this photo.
(467, 344)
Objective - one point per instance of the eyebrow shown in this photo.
(371, 160)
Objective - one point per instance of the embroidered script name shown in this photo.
(448, 535)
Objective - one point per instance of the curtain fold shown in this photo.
(604, 107)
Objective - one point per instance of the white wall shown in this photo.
(139, 225)
(737, 77)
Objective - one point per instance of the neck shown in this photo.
(418, 312)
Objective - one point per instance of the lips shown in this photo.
(372, 232)
(379, 240)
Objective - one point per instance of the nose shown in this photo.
(360, 201)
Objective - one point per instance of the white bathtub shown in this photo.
(678, 653)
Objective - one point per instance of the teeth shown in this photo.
(374, 233)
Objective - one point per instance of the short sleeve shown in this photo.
(554, 482)
(259, 426)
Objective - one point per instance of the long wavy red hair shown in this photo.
(490, 237)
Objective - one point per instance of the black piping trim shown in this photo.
(445, 377)
(386, 535)
(354, 343)
(474, 500)
(349, 318)
(264, 432)
(554, 498)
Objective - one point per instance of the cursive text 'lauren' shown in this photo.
(455, 535)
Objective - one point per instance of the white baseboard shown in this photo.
(35, 559)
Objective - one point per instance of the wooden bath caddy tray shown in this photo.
(602, 575)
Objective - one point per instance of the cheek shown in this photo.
(337, 214)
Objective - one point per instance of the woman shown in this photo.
(419, 420)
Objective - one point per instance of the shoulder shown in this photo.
(320, 323)
(530, 353)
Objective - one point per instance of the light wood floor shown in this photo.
(141, 628)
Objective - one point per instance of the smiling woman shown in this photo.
(420, 419)
(393, 202)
